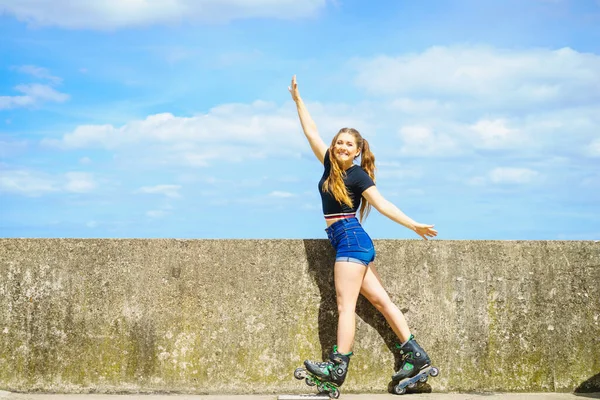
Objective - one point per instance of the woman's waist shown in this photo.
(338, 222)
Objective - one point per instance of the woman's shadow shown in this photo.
(321, 258)
(589, 388)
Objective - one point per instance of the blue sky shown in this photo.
(172, 118)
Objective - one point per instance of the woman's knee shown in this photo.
(381, 303)
(346, 307)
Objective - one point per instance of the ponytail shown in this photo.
(367, 163)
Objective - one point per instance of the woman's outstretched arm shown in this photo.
(392, 212)
(309, 127)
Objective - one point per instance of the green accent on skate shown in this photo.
(327, 385)
(327, 370)
(408, 367)
(335, 350)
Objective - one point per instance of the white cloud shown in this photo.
(422, 141)
(229, 132)
(113, 14)
(493, 134)
(27, 183)
(512, 175)
(79, 182)
(233, 122)
(505, 175)
(462, 99)
(34, 94)
(492, 76)
(35, 183)
(171, 191)
(594, 148)
(38, 72)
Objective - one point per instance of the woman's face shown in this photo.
(345, 148)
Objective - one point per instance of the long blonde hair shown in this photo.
(334, 183)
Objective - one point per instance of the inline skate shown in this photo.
(328, 376)
(415, 366)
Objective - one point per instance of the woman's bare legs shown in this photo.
(373, 290)
(352, 279)
(349, 277)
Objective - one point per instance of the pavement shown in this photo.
(420, 396)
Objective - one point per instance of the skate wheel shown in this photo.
(309, 382)
(423, 379)
(412, 385)
(335, 394)
(399, 389)
(434, 372)
(300, 373)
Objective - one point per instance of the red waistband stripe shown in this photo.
(341, 215)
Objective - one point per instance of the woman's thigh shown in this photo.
(348, 278)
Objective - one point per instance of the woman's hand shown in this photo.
(294, 89)
(425, 230)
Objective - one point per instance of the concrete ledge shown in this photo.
(238, 316)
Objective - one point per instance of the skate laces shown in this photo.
(403, 353)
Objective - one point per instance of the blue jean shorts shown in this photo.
(351, 242)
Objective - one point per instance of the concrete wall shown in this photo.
(238, 316)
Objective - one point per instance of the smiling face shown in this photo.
(345, 148)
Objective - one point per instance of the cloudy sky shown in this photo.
(124, 118)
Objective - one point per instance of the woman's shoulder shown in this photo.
(357, 169)
(358, 172)
(326, 159)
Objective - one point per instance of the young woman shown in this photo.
(345, 187)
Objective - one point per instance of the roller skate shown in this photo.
(415, 367)
(328, 376)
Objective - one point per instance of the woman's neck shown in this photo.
(347, 166)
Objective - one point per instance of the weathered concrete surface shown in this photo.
(237, 316)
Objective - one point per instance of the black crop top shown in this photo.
(356, 181)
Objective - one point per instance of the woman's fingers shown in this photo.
(426, 231)
(293, 88)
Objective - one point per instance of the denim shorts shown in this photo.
(351, 242)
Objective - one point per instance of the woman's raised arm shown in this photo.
(392, 212)
(309, 127)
